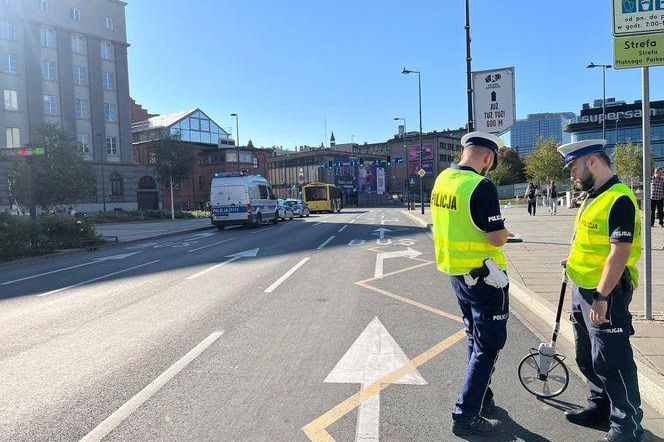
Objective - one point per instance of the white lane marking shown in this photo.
(262, 230)
(234, 257)
(97, 278)
(409, 253)
(373, 355)
(327, 241)
(342, 229)
(105, 258)
(122, 413)
(210, 245)
(287, 275)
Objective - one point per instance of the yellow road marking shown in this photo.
(316, 430)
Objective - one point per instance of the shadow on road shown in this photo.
(510, 431)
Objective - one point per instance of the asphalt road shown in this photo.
(271, 334)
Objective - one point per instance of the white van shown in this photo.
(242, 200)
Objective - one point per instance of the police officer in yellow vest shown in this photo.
(469, 234)
(602, 267)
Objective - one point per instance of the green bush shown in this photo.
(14, 236)
(65, 231)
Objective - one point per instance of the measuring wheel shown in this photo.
(544, 376)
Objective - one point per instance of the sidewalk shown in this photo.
(535, 273)
(136, 231)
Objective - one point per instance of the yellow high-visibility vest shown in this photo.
(460, 245)
(591, 245)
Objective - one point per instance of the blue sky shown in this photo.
(287, 65)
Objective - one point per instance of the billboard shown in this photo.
(414, 152)
(494, 100)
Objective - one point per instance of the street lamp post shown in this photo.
(419, 93)
(604, 68)
(237, 139)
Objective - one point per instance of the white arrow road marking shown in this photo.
(105, 258)
(248, 254)
(97, 279)
(373, 355)
(408, 253)
(122, 413)
(210, 245)
(327, 241)
(287, 275)
(381, 232)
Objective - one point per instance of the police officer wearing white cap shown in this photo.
(602, 267)
(469, 234)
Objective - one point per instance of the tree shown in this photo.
(545, 163)
(628, 162)
(510, 169)
(173, 161)
(61, 176)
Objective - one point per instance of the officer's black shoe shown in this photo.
(489, 408)
(587, 417)
(477, 425)
(613, 436)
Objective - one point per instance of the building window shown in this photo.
(11, 100)
(255, 163)
(111, 145)
(116, 185)
(106, 50)
(50, 105)
(48, 70)
(47, 38)
(109, 81)
(9, 64)
(201, 182)
(108, 23)
(110, 112)
(78, 44)
(8, 31)
(43, 6)
(82, 108)
(80, 76)
(75, 14)
(13, 137)
(83, 141)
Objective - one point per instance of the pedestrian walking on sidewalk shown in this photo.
(472, 254)
(552, 196)
(531, 197)
(657, 196)
(603, 268)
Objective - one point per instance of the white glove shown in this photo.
(496, 278)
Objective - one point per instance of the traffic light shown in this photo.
(361, 162)
(389, 160)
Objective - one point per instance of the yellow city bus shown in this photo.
(322, 197)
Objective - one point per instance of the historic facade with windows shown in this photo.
(623, 123)
(65, 62)
(215, 152)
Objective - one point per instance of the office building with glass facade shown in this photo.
(623, 124)
(524, 133)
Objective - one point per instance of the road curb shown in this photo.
(651, 383)
(50, 256)
(415, 218)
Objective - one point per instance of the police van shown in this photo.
(242, 201)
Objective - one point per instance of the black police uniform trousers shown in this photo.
(604, 356)
(485, 311)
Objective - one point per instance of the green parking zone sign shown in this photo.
(638, 51)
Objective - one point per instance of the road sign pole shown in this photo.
(647, 259)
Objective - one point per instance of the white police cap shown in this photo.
(483, 139)
(572, 151)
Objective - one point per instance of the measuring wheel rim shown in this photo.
(556, 382)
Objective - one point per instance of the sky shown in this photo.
(292, 68)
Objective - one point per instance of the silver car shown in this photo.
(298, 207)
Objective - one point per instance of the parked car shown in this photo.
(242, 200)
(284, 210)
(298, 207)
